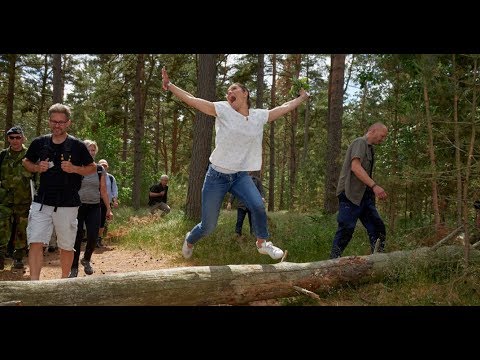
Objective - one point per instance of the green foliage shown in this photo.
(297, 84)
(125, 194)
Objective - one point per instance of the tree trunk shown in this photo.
(125, 135)
(165, 141)
(293, 163)
(202, 136)
(283, 166)
(271, 172)
(259, 104)
(156, 140)
(466, 197)
(431, 151)
(458, 163)
(260, 77)
(363, 118)
(306, 126)
(12, 60)
(57, 79)
(394, 182)
(228, 284)
(40, 114)
(177, 132)
(139, 131)
(334, 132)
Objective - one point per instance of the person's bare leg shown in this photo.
(66, 260)
(35, 260)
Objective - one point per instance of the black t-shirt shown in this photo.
(157, 188)
(58, 188)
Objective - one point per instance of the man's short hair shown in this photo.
(163, 177)
(60, 108)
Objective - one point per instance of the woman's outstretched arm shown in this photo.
(202, 105)
(281, 110)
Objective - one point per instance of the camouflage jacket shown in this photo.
(14, 179)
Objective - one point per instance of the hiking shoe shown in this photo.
(73, 273)
(187, 251)
(99, 242)
(18, 264)
(267, 248)
(87, 267)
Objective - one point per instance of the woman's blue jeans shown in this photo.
(215, 187)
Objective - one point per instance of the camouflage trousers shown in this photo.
(13, 225)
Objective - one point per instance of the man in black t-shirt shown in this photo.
(61, 160)
(157, 198)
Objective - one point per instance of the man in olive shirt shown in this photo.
(356, 191)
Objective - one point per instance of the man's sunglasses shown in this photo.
(14, 137)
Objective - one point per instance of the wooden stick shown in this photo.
(307, 292)
(446, 238)
(11, 303)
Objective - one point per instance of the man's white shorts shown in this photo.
(41, 223)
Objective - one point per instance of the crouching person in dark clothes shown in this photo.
(157, 198)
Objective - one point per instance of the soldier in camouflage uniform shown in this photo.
(15, 198)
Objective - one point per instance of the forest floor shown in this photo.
(109, 259)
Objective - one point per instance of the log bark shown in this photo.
(229, 284)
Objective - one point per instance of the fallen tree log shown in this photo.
(229, 284)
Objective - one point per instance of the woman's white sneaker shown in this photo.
(187, 251)
(267, 248)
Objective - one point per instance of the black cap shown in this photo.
(15, 130)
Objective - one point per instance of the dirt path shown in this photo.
(109, 259)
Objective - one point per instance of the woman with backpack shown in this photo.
(92, 192)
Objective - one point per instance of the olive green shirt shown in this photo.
(348, 182)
